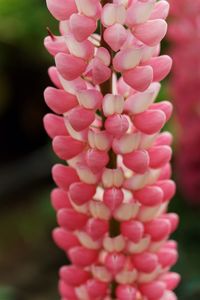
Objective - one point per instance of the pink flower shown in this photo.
(184, 34)
(112, 196)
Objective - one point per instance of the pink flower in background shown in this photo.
(113, 194)
(184, 32)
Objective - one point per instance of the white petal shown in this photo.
(86, 240)
(101, 273)
(126, 211)
(99, 210)
(139, 247)
(126, 277)
(148, 277)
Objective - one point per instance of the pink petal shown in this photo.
(65, 239)
(64, 176)
(126, 292)
(139, 78)
(55, 45)
(145, 262)
(100, 72)
(54, 125)
(80, 118)
(159, 156)
(96, 289)
(166, 172)
(168, 187)
(66, 147)
(153, 290)
(115, 262)
(115, 36)
(149, 195)
(139, 12)
(96, 160)
(67, 291)
(113, 13)
(54, 76)
(83, 49)
(174, 220)
(69, 66)
(73, 275)
(126, 59)
(167, 257)
(90, 98)
(70, 219)
(61, 9)
(161, 66)
(73, 86)
(81, 192)
(113, 198)
(150, 121)
(89, 8)
(165, 106)
(117, 125)
(123, 88)
(158, 229)
(160, 11)
(139, 102)
(97, 228)
(103, 54)
(82, 257)
(133, 230)
(59, 199)
(151, 32)
(164, 138)
(101, 140)
(171, 244)
(171, 279)
(82, 26)
(137, 161)
(59, 100)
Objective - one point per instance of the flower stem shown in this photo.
(106, 88)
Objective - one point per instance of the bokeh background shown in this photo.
(28, 258)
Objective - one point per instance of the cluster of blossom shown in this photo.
(184, 34)
(113, 194)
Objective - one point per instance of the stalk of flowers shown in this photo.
(184, 34)
(113, 194)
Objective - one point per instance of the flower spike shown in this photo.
(112, 196)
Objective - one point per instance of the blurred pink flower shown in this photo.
(184, 32)
(113, 194)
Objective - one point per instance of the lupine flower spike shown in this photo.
(185, 51)
(112, 195)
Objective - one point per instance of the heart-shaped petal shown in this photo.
(139, 78)
(80, 118)
(137, 161)
(82, 26)
(54, 125)
(64, 176)
(69, 66)
(61, 9)
(66, 147)
(59, 100)
(115, 36)
(151, 32)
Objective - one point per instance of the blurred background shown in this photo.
(29, 260)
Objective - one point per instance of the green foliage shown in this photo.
(6, 293)
(188, 238)
(23, 24)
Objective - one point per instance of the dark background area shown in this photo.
(29, 260)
